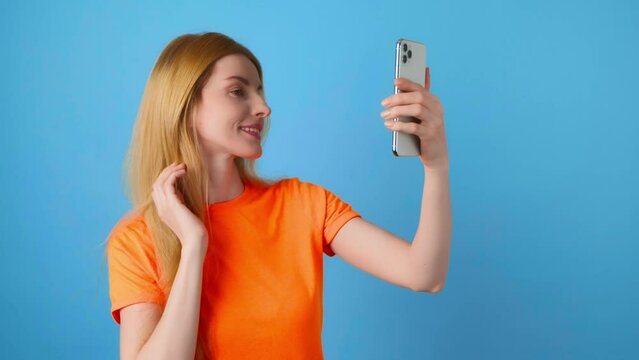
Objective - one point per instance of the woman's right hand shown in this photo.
(169, 203)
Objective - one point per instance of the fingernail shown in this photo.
(385, 113)
(384, 102)
(388, 123)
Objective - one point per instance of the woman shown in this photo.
(217, 262)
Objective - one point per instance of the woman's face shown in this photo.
(227, 105)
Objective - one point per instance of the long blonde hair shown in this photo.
(164, 133)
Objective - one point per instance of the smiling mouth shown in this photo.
(253, 133)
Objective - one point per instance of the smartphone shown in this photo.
(410, 63)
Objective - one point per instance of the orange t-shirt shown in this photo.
(266, 300)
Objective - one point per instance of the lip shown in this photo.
(257, 136)
(257, 126)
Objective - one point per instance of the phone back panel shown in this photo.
(413, 69)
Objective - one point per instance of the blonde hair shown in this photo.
(164, 133)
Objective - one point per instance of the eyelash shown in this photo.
(240, 90)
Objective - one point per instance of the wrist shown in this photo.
(195, 251)
(439, 167)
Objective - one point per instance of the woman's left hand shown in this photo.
(418, 102)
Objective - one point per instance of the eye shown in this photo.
(236, 91)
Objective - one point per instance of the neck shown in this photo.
(224, 181)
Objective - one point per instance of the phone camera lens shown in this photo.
(409, 53)
(405, 47)
(404, 58)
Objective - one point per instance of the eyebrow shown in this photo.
(246, 82)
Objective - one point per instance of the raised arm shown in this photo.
(421, 265)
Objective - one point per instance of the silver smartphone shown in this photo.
(410, 63)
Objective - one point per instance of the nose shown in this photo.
(263, 110)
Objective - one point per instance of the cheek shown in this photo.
(210, 116)
(228, 109)
(211, 128)
(220, 124)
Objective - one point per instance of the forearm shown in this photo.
(430, 249)
(175, 335)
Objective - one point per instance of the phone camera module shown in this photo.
(405, 47)
(403, 58)
(409, 53)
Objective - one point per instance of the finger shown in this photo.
(158, 199)
(169, 186)
(160, 183)
(407, 85)
(164, 173)
(406, 127)
(167, 181)
(421, 97)
(427, 81)
(167, 172)
(414, 110)
(425, 116)
(159, 192)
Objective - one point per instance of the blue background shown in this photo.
(541, 122)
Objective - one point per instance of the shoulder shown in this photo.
(300, 186)
(297, 190)
(309, 196)
(129, 232)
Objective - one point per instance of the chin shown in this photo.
(251, 155)
(254, 157)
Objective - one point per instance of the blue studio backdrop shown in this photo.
(541, 121)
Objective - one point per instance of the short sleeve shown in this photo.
(338, 213)
(132, 269)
